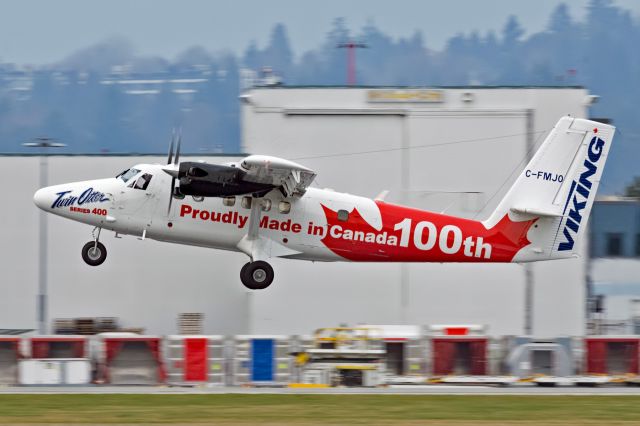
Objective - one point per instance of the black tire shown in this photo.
(257, 275)
(94, 254)
(243, 273)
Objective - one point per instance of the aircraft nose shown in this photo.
(42, 198)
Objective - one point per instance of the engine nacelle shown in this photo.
(213, 180)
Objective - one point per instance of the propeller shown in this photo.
(173, 171)
(173, 136)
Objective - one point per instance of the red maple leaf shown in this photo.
(355, 239)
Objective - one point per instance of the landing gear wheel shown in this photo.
(93, 253)
(256, 275)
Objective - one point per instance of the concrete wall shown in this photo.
(144, 283)
(425, 153)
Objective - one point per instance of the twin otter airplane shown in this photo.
(263, 207)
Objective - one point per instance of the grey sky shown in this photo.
(43, 31)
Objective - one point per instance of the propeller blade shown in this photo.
(173, 182)
(170, 157)
(173, 171)
(178, 148)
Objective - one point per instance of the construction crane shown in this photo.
(351, 47)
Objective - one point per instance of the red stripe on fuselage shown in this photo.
(412, 235)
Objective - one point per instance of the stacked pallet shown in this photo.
(107, 324)
(190, 323)
(85, 326)
(134, 330)
(64, 326)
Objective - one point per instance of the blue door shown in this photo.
(262, 360)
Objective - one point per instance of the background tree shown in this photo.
(633, 189)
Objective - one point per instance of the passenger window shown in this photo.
(266, 204)
(284, 207)
(343, 215)
(197, 198)
(143, 181)
(229, 201)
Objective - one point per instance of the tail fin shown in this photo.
(558, 187)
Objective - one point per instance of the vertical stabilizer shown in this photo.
(558, 187)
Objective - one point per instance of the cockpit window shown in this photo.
(142, 182)
(128, 174)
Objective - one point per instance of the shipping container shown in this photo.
(59, 346)
(262, 359)
(529, 357)
(459, 355)
(132, 360)
(196, 359)
(9, 356)
(612, 355)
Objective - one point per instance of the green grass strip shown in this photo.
(310, 409)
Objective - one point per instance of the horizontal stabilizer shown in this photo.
(536, 211)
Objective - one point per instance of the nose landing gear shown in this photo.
(256, 275)
(94, 253)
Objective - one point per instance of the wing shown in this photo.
(255, 174)
(293, 178)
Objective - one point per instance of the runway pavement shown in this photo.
(390, 390)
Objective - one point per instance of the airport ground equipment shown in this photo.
(612, 355)
(54, 371)
(299, 345)
(9, 357)
(261, 360)
(459, 350)
(196, 360)
(56, 346)
(344, 356)
(56, 360)
(476, 380)
(528, 357)
(405, 348)
(131, 359)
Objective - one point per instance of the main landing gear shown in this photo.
(256, 275)
(94, 253)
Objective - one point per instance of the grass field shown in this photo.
(318, 409)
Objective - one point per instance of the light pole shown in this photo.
(529, 279)
(43, 144)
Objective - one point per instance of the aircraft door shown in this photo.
(136, 203)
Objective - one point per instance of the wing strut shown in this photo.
(254, 219)
(252, 244)
(259, 247)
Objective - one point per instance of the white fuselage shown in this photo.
(206, 222)
(321, 225)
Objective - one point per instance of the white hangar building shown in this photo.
(455, 150)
